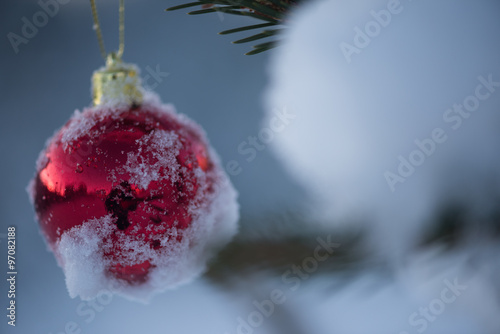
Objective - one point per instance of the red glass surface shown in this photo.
(84, 181)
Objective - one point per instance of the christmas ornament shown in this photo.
(129, 195)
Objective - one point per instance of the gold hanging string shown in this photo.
(117, 82)
(121, 29)
(97, 28)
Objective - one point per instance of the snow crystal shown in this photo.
(78, 126)
(42, 160)
(80, 250)
(164, 146)
(82, 122)
(79, 254)
(214, 222)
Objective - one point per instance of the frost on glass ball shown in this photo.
(132, 200)
(396, 106)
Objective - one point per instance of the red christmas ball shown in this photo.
(138, 185)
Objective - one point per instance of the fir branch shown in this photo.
(256, 26)
(271, 244)
(273, 12)
(264, 34)
(262, 47)
(213, 10)
(186, 5)
(244, 258)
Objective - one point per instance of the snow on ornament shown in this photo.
(129, 194)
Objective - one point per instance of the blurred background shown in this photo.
(283, 190)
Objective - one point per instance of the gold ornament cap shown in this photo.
(116, 83)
